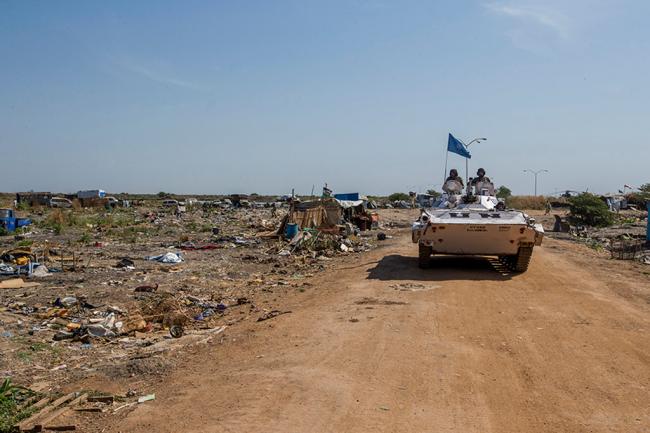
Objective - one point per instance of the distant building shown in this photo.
(34, 198)
(91, 193)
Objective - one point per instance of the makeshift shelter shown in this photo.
(323, 215)
(354, 211)
(317, 214)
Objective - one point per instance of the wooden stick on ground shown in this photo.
(29, 423)
(43, 422)
(38, 405)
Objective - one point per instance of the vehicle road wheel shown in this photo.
(424, 255)
(522, 259)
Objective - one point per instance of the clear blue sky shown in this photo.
(263, 96)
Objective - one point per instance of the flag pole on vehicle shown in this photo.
(456, 146)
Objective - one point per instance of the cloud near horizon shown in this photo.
(157, 76)
(544, 19)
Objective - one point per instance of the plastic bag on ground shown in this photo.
(166, 258)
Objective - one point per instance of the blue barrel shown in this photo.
(10, 225)
(291, 230)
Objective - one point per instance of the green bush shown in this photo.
(637, 199)
(591, 210)
(399, 196)
(11, 397)
(504, 192)
(58, 228)
(644, 192)
(58, 219)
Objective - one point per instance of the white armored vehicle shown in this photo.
(476, 223)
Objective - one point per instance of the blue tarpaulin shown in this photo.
(349, 196)
(456, 146)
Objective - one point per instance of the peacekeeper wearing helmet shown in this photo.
(481, 181)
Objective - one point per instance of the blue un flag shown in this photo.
(456, 146)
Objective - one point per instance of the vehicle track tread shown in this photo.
(521, 261)
(424, 255)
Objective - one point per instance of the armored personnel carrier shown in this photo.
(476, 223)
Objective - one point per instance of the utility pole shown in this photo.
(536, 172)
(647, 233)
(477, 140)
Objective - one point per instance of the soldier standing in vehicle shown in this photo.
(453, 184)
(482, 184)
(453, 175)
(481, 177)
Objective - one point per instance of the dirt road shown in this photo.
(382, 346)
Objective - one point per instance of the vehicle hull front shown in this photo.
(476, 238)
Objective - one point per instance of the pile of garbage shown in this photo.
(625, 241)
(318, 243)
(37, 260)
(171, 311)
(21, 261)
(74, 318)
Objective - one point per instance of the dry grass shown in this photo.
(527, 202)
(57, 216)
